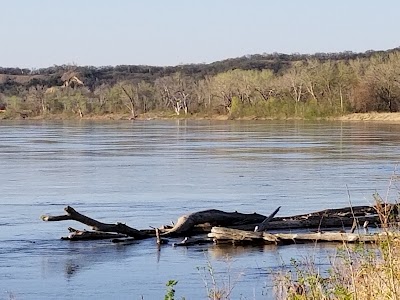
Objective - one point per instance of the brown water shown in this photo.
(147, 173)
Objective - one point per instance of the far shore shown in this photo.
(370, 117)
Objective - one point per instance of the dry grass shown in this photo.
(219, 286)
(356, 272)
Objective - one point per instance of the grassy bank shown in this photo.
(373, 116)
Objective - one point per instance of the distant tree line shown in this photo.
(268, 85)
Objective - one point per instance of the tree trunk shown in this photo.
(187, 223)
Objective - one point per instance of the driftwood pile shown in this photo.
(350, 224)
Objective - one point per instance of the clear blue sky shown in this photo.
(42, 33)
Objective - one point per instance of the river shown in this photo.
(148, 173)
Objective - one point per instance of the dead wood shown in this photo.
(72, 214)
(320, 222)
(235, 227)
(159, 240)
(349, 212)
(328, 218)
(186, 223)
(229, 235)
(264, 224)
(326, 237)
(221, 234)
(288, 223)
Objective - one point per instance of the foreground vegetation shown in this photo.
(261, 86)
(361, 272)
(356, 272)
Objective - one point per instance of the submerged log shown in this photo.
(72, 214)
(192, 241)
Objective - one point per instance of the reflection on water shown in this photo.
(147, 173)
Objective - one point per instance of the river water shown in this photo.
(148, 173)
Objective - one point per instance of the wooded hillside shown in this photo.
(263, 85)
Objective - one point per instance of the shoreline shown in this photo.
(353, 117)
(372, 116)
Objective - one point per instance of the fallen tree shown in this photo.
(214, 217)
(235, 227)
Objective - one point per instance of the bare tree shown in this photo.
(294, 82)
(36, 96)
(130, 96)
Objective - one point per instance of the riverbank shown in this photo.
(372, 116)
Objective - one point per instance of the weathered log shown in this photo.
(225, 235)
(72, 214)
(186, 223)
(326, 237)
(328, 218)
(79, 235)
(241, 236)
